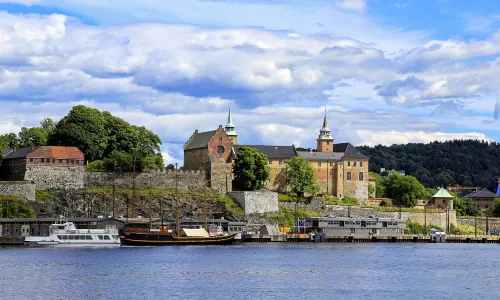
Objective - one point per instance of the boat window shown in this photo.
(100, 237)
(82, 237)
(60, 237)
(115, 237)
(106, 237)
(341, 223)
(65, 237)
(88, 237)
(76, 237)
(335, 222)
(358, 222)
(70, 237)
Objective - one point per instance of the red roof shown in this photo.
(56, 152)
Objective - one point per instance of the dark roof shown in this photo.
(6, 151)
(481, 194)
(332, 156)
(349, 151)
(199, 140)
(19, 152)
(272, 152)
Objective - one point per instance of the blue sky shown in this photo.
(387, 71)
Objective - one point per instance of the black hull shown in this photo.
(140, 239)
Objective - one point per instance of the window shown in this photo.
(360, 163)
(53, 161)
(88, 237)
(270, 162)
(360, 176)
(331, 164)
(106, 237)
(60, 161)
(319, 164)
(354, 163)
(348, 163)
(220, 139)
(31, 159)
(65, 237)
(70, 237)
(328, 142)
(348, 175)
(280, 162)
(100, 237)
(43, 159)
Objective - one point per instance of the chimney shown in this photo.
(32, 147)
(196, 131)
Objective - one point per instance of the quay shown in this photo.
(409, 238)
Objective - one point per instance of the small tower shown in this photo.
(325, 140)
(229, 128)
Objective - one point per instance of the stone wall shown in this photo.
(356, 189)
(277, 176)
(24, 189)
(493, 224)
(221, 177)
(256, 202)
(187, 180)
(196, 159)
(47, 177)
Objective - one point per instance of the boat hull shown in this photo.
(142, 239)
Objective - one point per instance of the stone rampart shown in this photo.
(50, 177)
(493, 224)
(256, 202)
(186, 180)
(24, 189)
(221, 177)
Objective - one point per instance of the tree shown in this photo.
(301, 176)
(404, 190)
(465, 207)
(33, 136)
(84, 128)
(250, 169)
(379, 185)
(495, 211)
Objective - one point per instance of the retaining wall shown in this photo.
(24, 189)
(256, 202)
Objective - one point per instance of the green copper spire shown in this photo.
(230, 126)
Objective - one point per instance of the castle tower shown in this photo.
(325, 140)
(229, 128)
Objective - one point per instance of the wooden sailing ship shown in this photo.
(165, 235)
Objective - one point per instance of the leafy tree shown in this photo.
(15, 209)
(429, 192)
(404, 190)
(9, 140)
(379, 182)
(33, 136)
(251, 169)
(124, 161)
(465, 207)
(301, 176)
(84, 128)
(495, 211)
(48, 125)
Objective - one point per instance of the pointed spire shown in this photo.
(229, 118)
(325, 122)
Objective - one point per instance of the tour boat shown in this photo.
(66, 234)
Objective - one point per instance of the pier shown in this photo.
(306, 238)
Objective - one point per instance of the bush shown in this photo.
(386, 203)
(286, 217)
(349, 201)
(233, 207)
(464, 229)
(43, 196)
(96, 165)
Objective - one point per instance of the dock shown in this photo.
(407, 238)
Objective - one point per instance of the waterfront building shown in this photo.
(333, 226)
(441, 200)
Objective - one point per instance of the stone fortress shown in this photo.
(341, 170)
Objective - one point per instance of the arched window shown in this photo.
(360, 176)
(348, 175)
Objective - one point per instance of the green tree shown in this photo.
(9, 140)
(33, 136)
(379, 182)
(84, 128)
(301, 176)
(495, 211)
(251, 169)
(403, 190)
(465, 207)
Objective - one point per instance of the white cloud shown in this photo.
(372, 138)
(8, 127)
(352, 5)
(23, 2)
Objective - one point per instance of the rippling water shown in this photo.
(254, 271)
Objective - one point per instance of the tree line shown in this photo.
(107, 141)
(463, 162)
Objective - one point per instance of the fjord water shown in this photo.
(254, 271)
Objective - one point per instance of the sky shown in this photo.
(387, 71)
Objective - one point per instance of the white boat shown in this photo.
(66, 234)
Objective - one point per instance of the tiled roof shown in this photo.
(6, 151)
(272, 152)
(44, 152)
(18, 153)
(481, 194)
(56, 152)
(323, 156)
(199, 140)
(352, 152)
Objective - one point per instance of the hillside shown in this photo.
(466, 162)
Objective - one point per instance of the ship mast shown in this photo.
(150, 203)
(205, 207)
(177, 201)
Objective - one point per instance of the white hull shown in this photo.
(70, 245)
